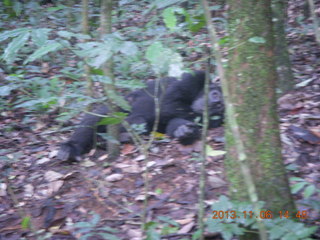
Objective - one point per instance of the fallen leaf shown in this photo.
(3, 189)
(187, 228)
(114, 177)
(127, 149)
(51, 176)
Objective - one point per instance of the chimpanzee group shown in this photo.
(181, 102)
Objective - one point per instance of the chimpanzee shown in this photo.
(181, 101)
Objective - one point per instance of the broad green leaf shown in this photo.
(42, 101)
(6, 90)
(164, 59)
(296, 179)
(96, 53)
(224, 40)
(95, 219)
(214, 153)
(17, 7)
(154, 51)
(128, 84)
(45, 49)
(100, 59)
(13, 33)
(83, 225)
(276, 232)
(7, 3)
(310, 190)
(57, 8)
(166, 3)
(119, 100)
(109, 121)
(108, 229)
(40, 36)
(123, 2)
(257, 40)
(129, 48)
(176, 65)
(297, 187)
(107, 236)
(96, 71)
(170, 18)
(195, 23)
(25, 223)
(68, 35)
(65, 34)
(13, 48)
(215, 8)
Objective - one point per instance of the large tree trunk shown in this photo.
(251, 82)
(285, 75)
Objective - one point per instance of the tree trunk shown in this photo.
(285, 75)
(106, 28)
(85, 30)
(251, 83)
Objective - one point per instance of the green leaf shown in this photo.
(224, 40)
(97, 71)
(6, 90)
(54, 9)
(13, 33)
(214, 153)
(50, 47)
(296, 179)
(83, 225)
(68, 35)
(297, 187)
(108, 229)
(40, 36)
(65, 34)
(14, 46)
(17, 8)
(25, 223)
(276, 232)
(108, 236)
(170, 18)
(129, 48)
(310, 190)
(109, 121)
(175, 65)
(103, 55)
(166, 3)
(153, 52)
(257, 40)
(164, 59)
(119, 100)
(196, 23)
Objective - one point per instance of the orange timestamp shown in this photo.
(267, 214)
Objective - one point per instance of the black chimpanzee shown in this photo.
(181, 102)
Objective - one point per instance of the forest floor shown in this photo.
(57, 194)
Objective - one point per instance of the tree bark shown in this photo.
(85, 30)
(106, 28)
(285, 75)
(251, 83)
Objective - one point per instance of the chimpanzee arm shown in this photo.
(82, 139)
(185, 131)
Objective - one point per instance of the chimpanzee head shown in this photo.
(215, 101)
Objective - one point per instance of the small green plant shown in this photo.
(91, 229)
(163, 226)
(308, 189)
(234, 218)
